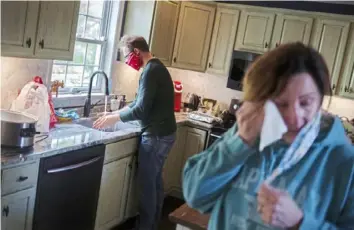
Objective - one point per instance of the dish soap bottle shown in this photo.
(114, 103)
(122, 102)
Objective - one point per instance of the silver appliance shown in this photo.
(240, 62)
(17, 129)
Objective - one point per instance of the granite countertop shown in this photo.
(189, 218)
(69, 137)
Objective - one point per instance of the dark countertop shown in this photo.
(190, 218)
(68, 137)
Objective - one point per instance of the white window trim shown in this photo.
(114, 30)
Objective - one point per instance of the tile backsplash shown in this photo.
(16, 72)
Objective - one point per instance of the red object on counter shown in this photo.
(38, 79)
(178, 95)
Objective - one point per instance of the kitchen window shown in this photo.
(90, 45)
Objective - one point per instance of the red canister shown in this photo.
(178, 95)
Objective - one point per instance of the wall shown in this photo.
(16, 72)
(125, 81)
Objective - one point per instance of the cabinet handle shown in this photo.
(209, 65)
(174, 59)
(5, 211)
(333, 86)
(266, 45)
(346, 89)
(29, 42)
(276, 44)
(22, 178)
(41, 43)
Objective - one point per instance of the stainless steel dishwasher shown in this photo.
(68, 190)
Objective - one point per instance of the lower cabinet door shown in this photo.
(113, 194)
(132, 206)
(17, 210)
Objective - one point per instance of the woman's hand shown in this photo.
(250, 118)
(106, 121)
(278, 209)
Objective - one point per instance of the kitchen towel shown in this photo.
(273, 127)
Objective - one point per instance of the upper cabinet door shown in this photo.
(223, 40)
(164, 30)
(193, 37)
(18, 27)
(330, 39)
(57, 29)
(347, 81)
(255, 31)
(292, 28)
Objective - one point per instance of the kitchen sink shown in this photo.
(88, 122)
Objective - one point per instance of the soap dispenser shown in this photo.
(122, 102)
(114, 103)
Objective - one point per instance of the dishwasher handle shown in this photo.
(75, 166)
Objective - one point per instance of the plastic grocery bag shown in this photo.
(33, 99)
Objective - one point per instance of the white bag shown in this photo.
(33, 99)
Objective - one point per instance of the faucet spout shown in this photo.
(87, 106)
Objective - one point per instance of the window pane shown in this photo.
(58, 73)
(95, 8)
(87, 74)
(79, 53)
(73, 77)
(81, 26)
(92, 29)
(93, 54)
(83, 7)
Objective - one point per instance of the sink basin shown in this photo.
(88, 122)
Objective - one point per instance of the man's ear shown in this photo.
(136, 51)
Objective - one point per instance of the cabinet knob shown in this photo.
(276, 44)
(41, 43)
(209, 65)
(5, 211)
(174, 59)
(266, 45)
(29, 42)
(22, 178)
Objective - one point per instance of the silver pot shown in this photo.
(17, 129)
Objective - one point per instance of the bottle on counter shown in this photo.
(114, 103)
(122, 102)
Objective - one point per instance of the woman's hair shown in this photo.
(268, 76)
(132, 42)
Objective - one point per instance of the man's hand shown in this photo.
(106, 121)
(278, 209)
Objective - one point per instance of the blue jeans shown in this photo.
(153, 151)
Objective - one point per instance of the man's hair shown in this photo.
(132, 42)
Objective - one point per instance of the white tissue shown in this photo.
(273, 127)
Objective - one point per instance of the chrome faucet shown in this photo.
(88, 107)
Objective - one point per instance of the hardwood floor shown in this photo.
(170, 204)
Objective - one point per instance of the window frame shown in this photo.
(103, 41)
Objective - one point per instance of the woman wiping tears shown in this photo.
(285, 164)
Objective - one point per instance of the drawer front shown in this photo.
(120, 149)
(19, 178)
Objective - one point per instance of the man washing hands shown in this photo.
(154, 108)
